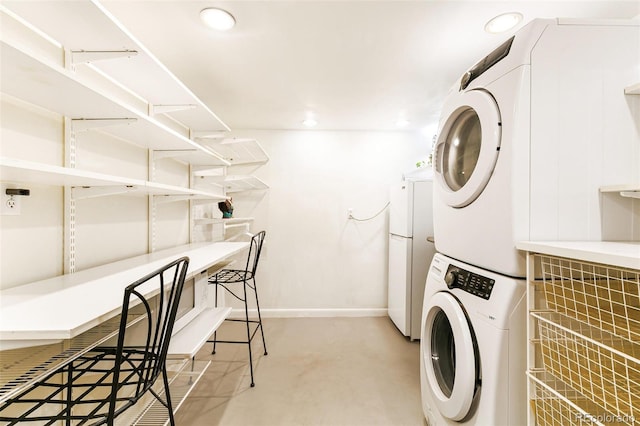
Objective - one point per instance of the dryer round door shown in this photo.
(449, 354)
(467, 147)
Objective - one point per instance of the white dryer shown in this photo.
(472, 350)
(528, 136)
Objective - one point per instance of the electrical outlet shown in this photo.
(10, 203)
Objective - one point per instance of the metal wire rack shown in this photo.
(586, 363)
(556, 404)
(593, 362)
(603, 296)
(20, 367)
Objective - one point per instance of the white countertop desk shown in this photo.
(47, 323)
(66, 306)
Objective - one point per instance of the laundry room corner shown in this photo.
(318, 261)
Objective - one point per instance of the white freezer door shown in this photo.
(401, 209)
(399, 297)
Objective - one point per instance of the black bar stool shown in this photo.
(231, 280)
(96, 386)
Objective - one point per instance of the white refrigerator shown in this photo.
(411, 249)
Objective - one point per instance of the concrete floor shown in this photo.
(319, 371)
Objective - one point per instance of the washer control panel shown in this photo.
(468, 281)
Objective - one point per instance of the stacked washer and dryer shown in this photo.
(526, 138)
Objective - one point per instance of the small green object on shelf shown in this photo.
(226, 208)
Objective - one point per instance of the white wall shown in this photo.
(315, 260)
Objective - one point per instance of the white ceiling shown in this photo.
(356, 64)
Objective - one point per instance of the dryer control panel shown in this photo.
(468, 281)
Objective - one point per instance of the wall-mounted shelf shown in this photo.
(630, 191)
(195, 157)
(228, 221)
(237, 151)
(234, 184)
(230, 183)
(88, 184)
(634, 89)
(620, 212)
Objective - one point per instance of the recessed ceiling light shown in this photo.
(310, 122)
(402, 122)
(502, 23)
(217, 19)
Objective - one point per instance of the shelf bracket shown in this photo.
(84, 124)
(164, 109)
(86, 56)
(83, 192)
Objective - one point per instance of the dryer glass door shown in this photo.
(449, 356)
(467, 147)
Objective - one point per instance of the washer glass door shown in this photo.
(467, 147)
(449, 356)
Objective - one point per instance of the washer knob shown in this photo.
(451, 278)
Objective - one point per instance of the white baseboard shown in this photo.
(312, 313)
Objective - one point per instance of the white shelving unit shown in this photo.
(99, 77)
(583, 332)
(74, 59)
(138, 74)
(242, 154)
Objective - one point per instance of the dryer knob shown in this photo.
(451, 278)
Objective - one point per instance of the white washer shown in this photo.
(529, 135)
(472, 350)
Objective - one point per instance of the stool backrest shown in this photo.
(254, 252)
(142, 349)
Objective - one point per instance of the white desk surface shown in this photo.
(65, 306)
(624, 254)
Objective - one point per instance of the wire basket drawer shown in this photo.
(556, 404)
(597, 364)
(605, 297)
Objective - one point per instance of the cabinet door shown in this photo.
(401, 209)
(399, 302)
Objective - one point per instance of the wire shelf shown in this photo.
(21, 367)
(603, 296)
(593, 362)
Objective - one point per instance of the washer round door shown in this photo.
(449, 354)
(467, 147)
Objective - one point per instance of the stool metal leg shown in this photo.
(255, 289)
(246, 316)
(215, 333)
